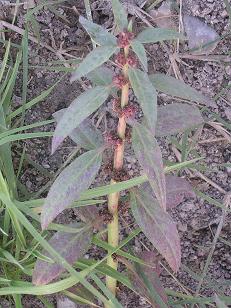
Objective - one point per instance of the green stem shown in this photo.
(113, 199)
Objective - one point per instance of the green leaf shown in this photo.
(86, 134)
(157, 225)
(68, 186)
(176, 118)
(139, 50)
(174, 87)
(101, 76)
(154, 35)
(97, 33)
(149, 156)
(78, 111)
(120, 15)
(146, 95)
(71, 246)
(93, 60)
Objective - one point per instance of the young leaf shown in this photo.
(174, 87)
(94, 59)
(68, 186)
(149, 156)
(177, 189)
(78, 111)
(154, 35)
(85, 135)
(177, 117)
(139, 50)
(71, 246)
(97, 33)
(157, 225)
(120, 15)
(146, 95)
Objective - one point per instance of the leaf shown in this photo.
(139, 50)
(120, 15)
(97, 33)
(200, 34)
(163, 16)
(71, 246)
(94, 59)
(176, 118)
(219, 302)
(174, 87)
(148, 286)
(86, 134)
(78, 111)
(146, 95)
(158, 226)
(149, 156)
(177, 189)
(101, 76)
(68, 186)
(154, 35)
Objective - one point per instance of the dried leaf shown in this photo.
(93, 60)
(68, 186)
(149, 156)
(200, 34)
(176, 118)
(97, 33)
(79, 110)
(71, 246)
(174, 87)
(154, 35)
(146, 95)
(139, 50)
(120, 15)
(86, 134)
(163, 16)
(157, 225)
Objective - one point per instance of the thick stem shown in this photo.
(113, 199)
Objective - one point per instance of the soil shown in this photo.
(197, 219)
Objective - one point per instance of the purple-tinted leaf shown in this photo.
(149, 156)
(71, 246)
(174, 87)
(85, 135)
(78, 111)
(157, 225)
(68, 186)
(97, 33)
(176, 118)
(152, 260)
(90, 214)
(177, 189)
(93, 60)
(200, 34)
(154, 35)
(146, 95)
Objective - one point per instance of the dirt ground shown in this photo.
(197, 219)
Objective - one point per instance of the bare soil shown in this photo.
(197, 219)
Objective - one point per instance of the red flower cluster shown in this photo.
(124, 38)
(111, 139)
(132, 61)
(120, 59)
(119, 81)
(129, 111)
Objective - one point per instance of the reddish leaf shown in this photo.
(149, 156)
(157, 225)
(177, 190)
(151, 258)
(68, 186)
(176, 118)
(71, 246)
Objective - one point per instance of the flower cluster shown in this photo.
(124, 38)
(119, 81)
(112, 139)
